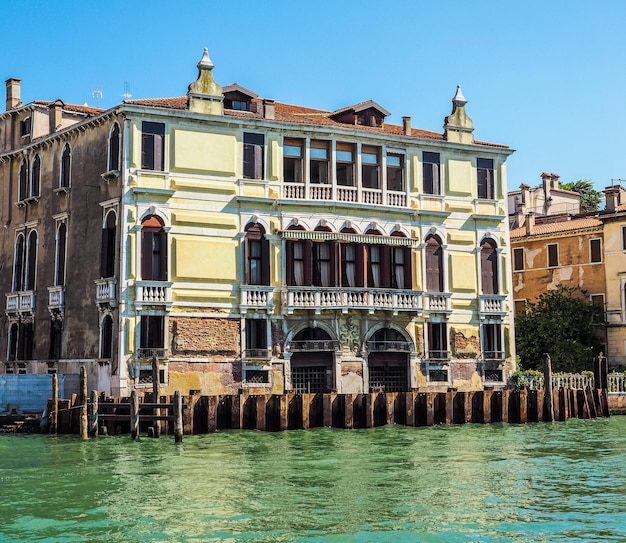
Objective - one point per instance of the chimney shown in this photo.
(406, 126)
(530, 224)
(268, 108)
(55, 115)
(555, 180)
(13, 93)
(546, 179)
(612, 197)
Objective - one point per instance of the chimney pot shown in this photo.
(406, 125)
(268, 108)
(530, 224)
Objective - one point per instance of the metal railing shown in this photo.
(259, 354)
(313, 345)
(389, 346)
(152, 352)
(438, 355)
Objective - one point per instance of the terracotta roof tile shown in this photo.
(178, 102)
(555, 227)
(73, 107)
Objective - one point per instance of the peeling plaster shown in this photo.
(530, 256)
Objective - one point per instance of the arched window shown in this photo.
(114, 148)
(107, 255)
(434, 264)
(35, 176)
(489, 266)
(106, 337)
(59, 276)
(23, 188)
(153, 249)
(256, 255)
(18, 264)
(65, 166)
(352, 268)
(31, 261)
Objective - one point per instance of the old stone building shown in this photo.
(248, 244)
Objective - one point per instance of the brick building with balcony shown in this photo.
(248, 244)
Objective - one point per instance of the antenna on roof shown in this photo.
(127, 95)
(96, 92)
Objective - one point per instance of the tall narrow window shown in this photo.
(492, 342)
(256, 255)
(431, 170)
(106, 337)
(323, 264)
(153, 249)
(395, 172)
(348, 265)
(484, 172)
(107, 255)
(434, 264)
(18, 264)
(292, 160)
(398, 267)
(623, 238)
(23, 188)
(438, 341)
(374, 266)
(319, 162)
(256, 337)
(65, 167)
(253, 151)
(370, 167)
(13, 339)
(31, 261)
(25, 341)
(489, 266)
(152, 146)
(518, 259)
(114, 148)
(59, 276)
(56, 337)
(553, 255)
(152, 334)
(345, 164)
(35, 177)
(595, 248)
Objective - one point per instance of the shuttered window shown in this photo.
(553, 255)
(434, 264)
(152, 146)
(484, 172)
(257, 255)
(430, 168)
(153, 250)
(595, 248)
(253, 153)
(518, 259)
(489, 267)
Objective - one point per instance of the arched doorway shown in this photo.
(388, 361)
(312, 361)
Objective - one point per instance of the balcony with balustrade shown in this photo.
(56, 299)
(256, 297)
(388, 346)
(106, 292)
(313, 345)
(321, 299)
(437, 302)
(492, 306)
(153, 293)
(21, 303)
(148, 353)
(340, 193)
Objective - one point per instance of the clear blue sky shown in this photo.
(546, 77)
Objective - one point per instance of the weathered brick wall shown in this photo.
(202, 336)
(466, 344)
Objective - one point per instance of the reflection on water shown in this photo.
(558, 482)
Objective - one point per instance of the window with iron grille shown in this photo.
(388, 379)
(260, 377)
(493, 376)
(309, 379)
(438, 376)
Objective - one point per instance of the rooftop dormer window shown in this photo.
(238, 98)
(364, 114)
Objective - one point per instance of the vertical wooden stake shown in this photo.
(430, 408)
(450, 406)
(487, 406)
(54, 408)
(93, 414)
(155, 395)
(84, 430)
(547, 386)
(409, 399)
(348, 411)
(134, 415)
(178, 417)
(506, 395)
(523, 406)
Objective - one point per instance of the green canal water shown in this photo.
(562, 482)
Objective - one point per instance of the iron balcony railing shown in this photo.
(389, 346)
(493, 355)
(313, 345)
(148, 353)
(438, 355)
(257, 354)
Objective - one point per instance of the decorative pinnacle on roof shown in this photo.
(459, 99)
(205, 62)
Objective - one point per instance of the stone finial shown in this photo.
(205, 95)
(458, 127)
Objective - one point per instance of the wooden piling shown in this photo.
(84, 421)
(54, 408)
(409, 408)
(523, 406)
(430, 408)
(450, 406)
(284, 411)
(93, 414)
(487, 406)
(155, 396)
(134, 415)
(506, 394)
(467, 406)
(547, 386)
(540, 406)
(212, 403)
(306, 410)
(327, 410)
(178, 417)
(592, 406)
(370, 400)
(261, 412)
(390, 399)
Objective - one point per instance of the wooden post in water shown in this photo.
(450, 406)
(134, 415)
(54, 408)
(547, 386)
(93, 414)
(430, 408)
(487, 394)
(409, 400)
(155, 395)
(523, 406)
(506, 395)
(467, 406)
(348, 411)
(390, 401)
(84, 430)
(212, 402)
(284, 411)
(178, 417)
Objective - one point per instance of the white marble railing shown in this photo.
(333, 298)
(437, 301)
(396, 199)
(321, 192)
(617, 383)
(154, 292)
(372, 196)
(256, 297)
(346, 194)
(491, 303)
(105, 291)
(56, 297)
(294, 191)
(21, 302)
